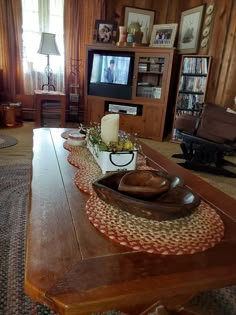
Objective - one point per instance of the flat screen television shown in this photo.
(110, 73)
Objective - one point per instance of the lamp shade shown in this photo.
(48, 45)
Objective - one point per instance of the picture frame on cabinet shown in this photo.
(145, 18)
(163, 35)
(105, 31)
(190, 30)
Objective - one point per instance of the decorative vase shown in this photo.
(122, 34)
(130, 38)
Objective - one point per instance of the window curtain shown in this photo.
(42, 16)
(11, 48)
(79, 24)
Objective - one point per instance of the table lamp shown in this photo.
(48, 46)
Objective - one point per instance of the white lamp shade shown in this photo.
(48, 45)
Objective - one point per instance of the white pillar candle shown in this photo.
(110, 128)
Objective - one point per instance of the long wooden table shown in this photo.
(74, 269)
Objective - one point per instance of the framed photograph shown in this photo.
(105, 31)
(163, 35)
(145, 19)
(190, 30)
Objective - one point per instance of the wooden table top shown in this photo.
(47, 93)
(75, 269)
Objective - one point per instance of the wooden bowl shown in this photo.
(143, 184)
(178, 201)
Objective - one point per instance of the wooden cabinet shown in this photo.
(143, 108)
(192, 86)
(150, 76)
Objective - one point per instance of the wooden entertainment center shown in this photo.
(148, 109)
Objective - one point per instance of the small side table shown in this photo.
(40, 96)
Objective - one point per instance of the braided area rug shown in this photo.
(14, 195)
(7, 141)
(14, 201)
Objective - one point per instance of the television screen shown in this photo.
(110, 69)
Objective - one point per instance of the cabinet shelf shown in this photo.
(189, 110)
(194, 74)
(151, 72)
(191, 92)
(152, 61)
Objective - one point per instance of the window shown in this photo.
(42, 16)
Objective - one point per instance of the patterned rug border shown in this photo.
(15, 180)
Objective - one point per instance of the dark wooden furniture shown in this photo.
(192, 87)
(1, 86)
(207, 139)
(152, 92)
(74, 269)
(11, 115)
(41, 96)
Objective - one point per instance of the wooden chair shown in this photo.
(208, 139)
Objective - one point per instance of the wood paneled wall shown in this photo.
(222, 38)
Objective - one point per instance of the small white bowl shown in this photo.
(76, 139)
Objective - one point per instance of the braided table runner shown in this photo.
(197, 232)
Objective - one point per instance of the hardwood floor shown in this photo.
(225, 184)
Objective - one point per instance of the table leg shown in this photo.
(63, 112)
(38, 112)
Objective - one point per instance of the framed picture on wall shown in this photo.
(145, 18)
(105, 31)
(190, 30)
(163, 35)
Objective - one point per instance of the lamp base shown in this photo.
(49, 85)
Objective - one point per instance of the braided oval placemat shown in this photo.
(194, 233)
(197, 232)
